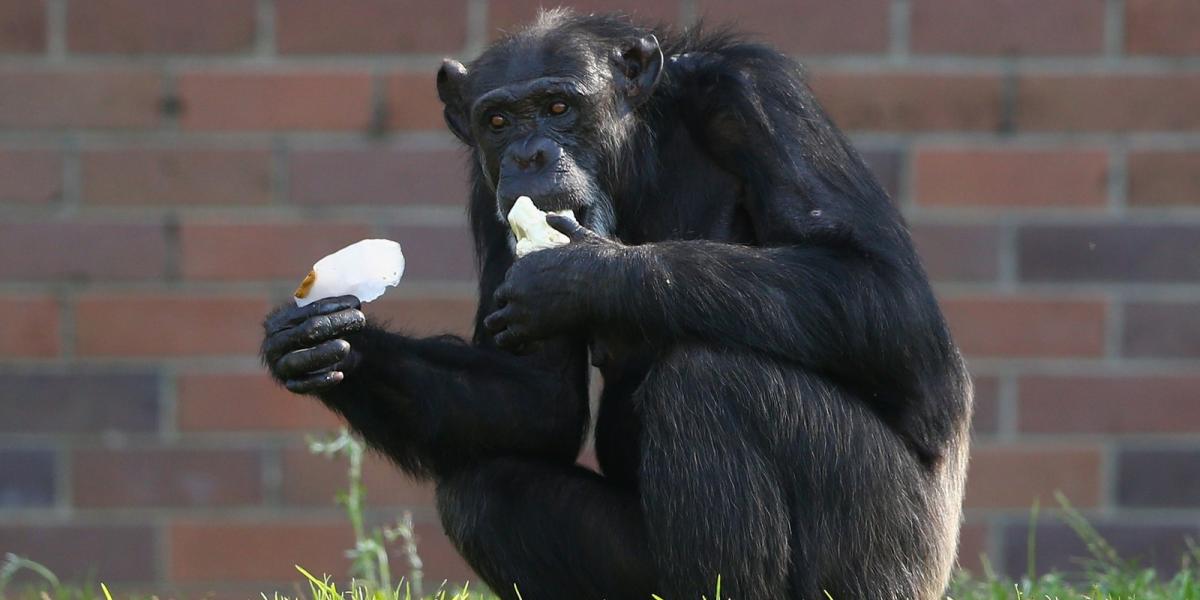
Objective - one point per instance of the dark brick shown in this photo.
(78, 403)
(1108, 404)
(1118, 253)
(437, 253)
(81, 553)
(987, 405)
(29, 326)
(959, 252)
(55, 251)
(1159, 478)
(374, 177)
(1162, 330)
(172, 477)
(366, 26)
(886, 165)
(972, 544)
(807, 26)
(26, 478)
(225, 252)
(426, 315)
(1060, 548)
(1007, 27)
(23, 26)
(160, 26)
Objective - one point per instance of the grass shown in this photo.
(1103, 575)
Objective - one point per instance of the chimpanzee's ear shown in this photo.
(451, 79)
(641, 66)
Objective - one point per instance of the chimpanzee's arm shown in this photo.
(436, 404)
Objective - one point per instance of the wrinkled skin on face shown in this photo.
(547, 117)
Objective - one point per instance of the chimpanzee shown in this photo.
(783, 406)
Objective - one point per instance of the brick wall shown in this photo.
(169, 167)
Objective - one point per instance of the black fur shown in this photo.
(783, 405)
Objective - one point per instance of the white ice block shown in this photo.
(363, 269)
(531, 230)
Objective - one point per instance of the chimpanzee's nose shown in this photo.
(534, 154)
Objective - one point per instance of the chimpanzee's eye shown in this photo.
(497, 121)
(558, 107)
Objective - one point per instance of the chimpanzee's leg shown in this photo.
(552, 531)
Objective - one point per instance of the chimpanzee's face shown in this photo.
(546, 118)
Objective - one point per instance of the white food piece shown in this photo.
(531, 230)
(362, 269)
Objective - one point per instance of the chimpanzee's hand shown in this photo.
(545, 293)
(302, 348)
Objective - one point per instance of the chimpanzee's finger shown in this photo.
(511, 338)
(571, 228)
(315, 383)
(498, 320)
(314, 331)
(290, 315)
(318, 358)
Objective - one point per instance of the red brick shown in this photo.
(30, 176)
(1164, 178)
(250, 402)
(1007, 26)
(1015, 477)
(234, 551)
(160, 26)
(165, 477)
(808, 26)
(411, 102)
(1011, 178)
(118, 553)
(221, 252)
(910, 101)
(176, 176)
(426, 316)
(436, 253)
(378, 177)
(217, 100)
(23, 26)
(1162, 330)
(369, 26)
(157, 324)
(1125, 252)
(1162, 27)
(511, 15)
(55, 251)
(1108, 102)
(79, 403)
(313, 480)
(959, 252)
(97, 98)
(26, 478)
(1109, 404)
(29, 327)
(1026, 327)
